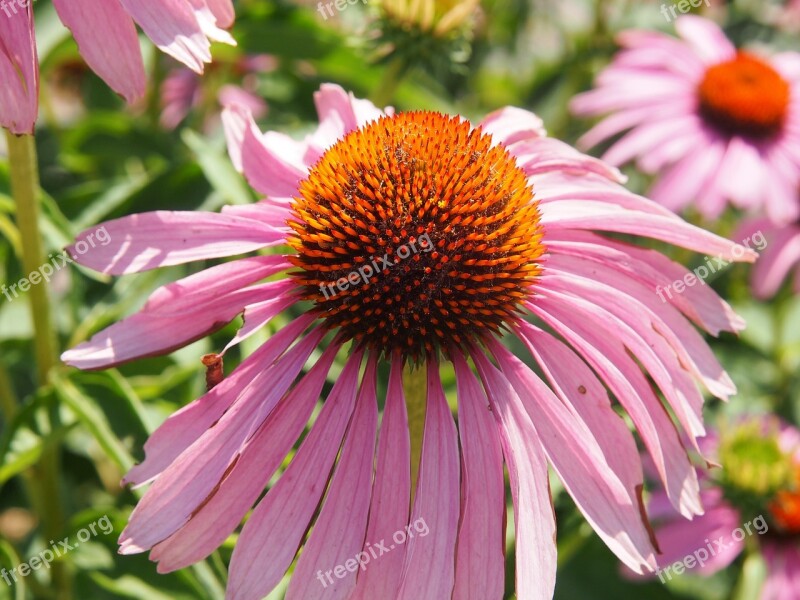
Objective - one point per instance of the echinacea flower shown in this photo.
(107, 39)
(418, 239)
(754, 497)
(779, 259)
(717, 124)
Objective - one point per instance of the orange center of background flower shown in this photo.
(744, 96)
(416, 232)
(785, 508)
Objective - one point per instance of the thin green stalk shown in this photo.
(44, 488)
(392, 76)
(416, 392)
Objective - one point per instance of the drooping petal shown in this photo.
(19, 72)
(607, 356)
(534, 520)
(162, 238)
(93, 24)
(480, 553)
(614, 512)
(429, 568)
(338, 533)
(172, 26)
(184, 427)
(389, 509)
(186, 483)
(260, 458)
(275, 529)
(182, 312)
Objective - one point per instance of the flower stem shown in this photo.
(43, 483)
(392, 76)
(416, 393)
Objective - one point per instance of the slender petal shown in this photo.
(260, 458)
(430, 559)
(480, 554)
(184, 427)
(534, 520)
(187, 482)
(274, 531)
(19, 72)
(338, 534)
(391, 493)
(93, 24)
(162, 238)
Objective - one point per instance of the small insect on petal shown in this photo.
(214, 370)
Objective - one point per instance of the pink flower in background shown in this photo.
(107, 39)
(717, 125)
(754, 499)
(779, 259)
(417, 237)
(183, 90)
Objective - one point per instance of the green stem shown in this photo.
(416, 393)
(45, 492)
(392, 76)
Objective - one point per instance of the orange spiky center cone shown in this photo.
(414, 233)
(744, 96)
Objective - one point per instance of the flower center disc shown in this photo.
(744, 96)
(416, 232)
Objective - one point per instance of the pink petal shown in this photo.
(275, 529)
(548, 155)
(585, 396)
(223, 11)
(510, 125)
(339, 114)
(534, 520)
(182, 312)
(681, 538)
(183, 486)
(430, 559)
(184, 427)
(480, 553)
(608, 357)
(260, 458)
(585, 214)
(706, 38)
(338, 534)
(172, 26)
(162, 238)
(19, 71)
(613, 511)
(777, 261)
(389, 510)
(92, 25)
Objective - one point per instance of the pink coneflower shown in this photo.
(779, 258)
(716, 123)
(754, 497)
(418, 239)
(181, 28)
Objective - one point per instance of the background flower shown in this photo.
(715, 123)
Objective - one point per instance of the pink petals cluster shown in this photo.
(601, 330)
(105, 32)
